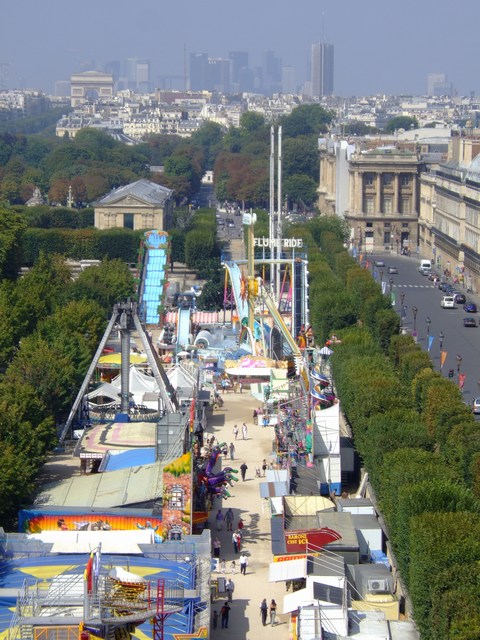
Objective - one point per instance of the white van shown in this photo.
(425, 265)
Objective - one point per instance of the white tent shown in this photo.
(140, 384)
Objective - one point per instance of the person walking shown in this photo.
(217, 545)
(240, 387)
(273, 612)
(230, 588)
(235, 430)
(223, 566)
(219, 519)
(255, 416)
(243, 470)
(235, 541)
(224, 613)
(263, 612)
(233, 567)
(229, 517)
(244, 565)
(264, 467)
(240, 526)
(232, 451)
(244, 431)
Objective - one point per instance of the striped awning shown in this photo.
(200, 317)
(205, 317)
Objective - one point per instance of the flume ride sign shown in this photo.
(284, 243)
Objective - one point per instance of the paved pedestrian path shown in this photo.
(245, 620)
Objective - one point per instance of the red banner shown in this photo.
(461, 380)
(297, 541)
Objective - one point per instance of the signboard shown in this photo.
(285, 243)
(297, 541)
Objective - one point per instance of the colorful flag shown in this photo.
(461, 380)
(430, 342)
(443, 357)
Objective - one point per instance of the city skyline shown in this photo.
(375, 50)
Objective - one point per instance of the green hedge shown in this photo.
(82, 244)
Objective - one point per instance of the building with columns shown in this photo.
(375, 190)
(384, 198)
(449, 221)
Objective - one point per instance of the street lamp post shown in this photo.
(414, 311)
(391, 284)
(402, 297)
(459, 364)
(381, 275)
(441, 337)
(428, 321)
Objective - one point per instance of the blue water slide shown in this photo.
(235, 277)
(183, 328)
(153, 285)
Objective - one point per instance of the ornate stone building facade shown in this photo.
(375, 190)
(139, 205)
(449, 222)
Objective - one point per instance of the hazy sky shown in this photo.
(381, 46)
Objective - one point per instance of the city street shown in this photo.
(421, 293)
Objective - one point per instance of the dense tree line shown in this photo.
(417, 438)
(93, 163)
(50, 326)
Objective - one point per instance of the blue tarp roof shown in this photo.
(130, 458)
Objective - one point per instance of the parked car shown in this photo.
(392, 269)
(476, 405)
(469, 322)
(459, 297)
(447, 302)
(470, 307)
(379, 263)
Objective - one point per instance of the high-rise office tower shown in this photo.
(438, 85)
(138, 74)
(322, 69)
(272, 73)
(218, 75)
(198, 71)
(288, 80)
(238, 61)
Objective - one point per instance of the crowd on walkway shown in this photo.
(241, 543)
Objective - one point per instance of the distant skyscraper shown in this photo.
(288, 80)
(322, 69)
(138, 74)
(272, 73)
(438, 85)
(114, 67)
(218, 75)
(238, 61)
(198, 71)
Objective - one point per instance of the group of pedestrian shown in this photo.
(264, 610)
(228, 518)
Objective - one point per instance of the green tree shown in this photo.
(108, 283)
(300, 157)
(306, 120)
(301, 190)
(401, 122)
